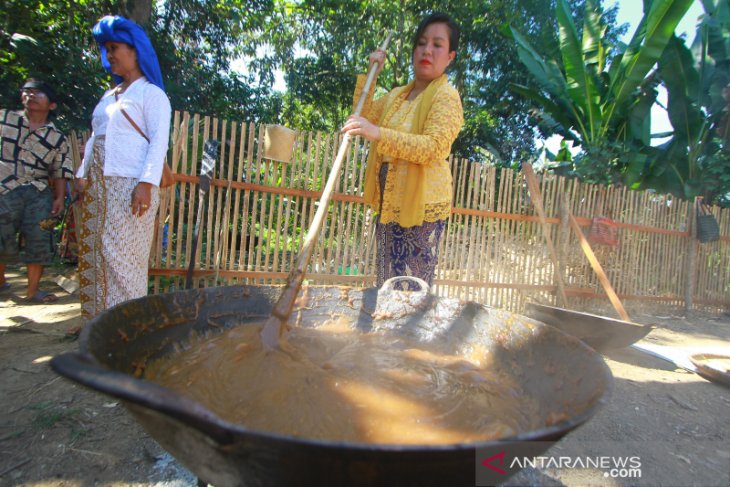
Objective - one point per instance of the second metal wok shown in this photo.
(598, 332)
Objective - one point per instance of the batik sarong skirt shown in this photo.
(401, 251)
(114, 244)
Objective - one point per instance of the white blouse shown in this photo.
(127, 153)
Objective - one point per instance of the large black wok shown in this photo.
(569, 381)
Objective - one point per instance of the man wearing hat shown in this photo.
(34, 167)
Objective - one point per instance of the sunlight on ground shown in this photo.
(678, 376)
(586, 476)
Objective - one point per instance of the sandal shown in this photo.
(41, 297)
(73, 332)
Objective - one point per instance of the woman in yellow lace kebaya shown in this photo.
(411, 129)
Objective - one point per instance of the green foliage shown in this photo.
(46, 40)
(599, 99)
(318, 44)
(195, 41)
(696, 160)
(581, 83)
(321, 44)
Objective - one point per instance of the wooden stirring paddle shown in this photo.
(271, 333)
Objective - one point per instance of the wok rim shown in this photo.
(628, 324)
(710, 373)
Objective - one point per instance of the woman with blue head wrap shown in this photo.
(120, 30)
(120, 175)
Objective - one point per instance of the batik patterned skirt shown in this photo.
(114, 245)
(401, 251)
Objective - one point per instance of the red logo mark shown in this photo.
(487, 463)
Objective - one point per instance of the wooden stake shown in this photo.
(612, 296)
(534, 188)
(692, 246)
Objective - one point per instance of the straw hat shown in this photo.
(279, 143)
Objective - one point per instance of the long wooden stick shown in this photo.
(207, 166)
(598, 269)
(283, 307)
(534, 188)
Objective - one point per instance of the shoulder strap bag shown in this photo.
(168, 177)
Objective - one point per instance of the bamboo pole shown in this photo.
(312, 159)
(537, 201)
(246, 230)
(489, 229)
(280, 226)
(692, 248)
(258, 211)
(271, 231)
(192, 166)
(349, 224)
(219, 225)
(234, 261)
(223, 235)
(320, 159)
(290, 208)
(563, 240)
(615, 301)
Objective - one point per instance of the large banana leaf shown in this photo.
(639, 120)
(660, 22)
(614, 71)
(711, 50)
(546, 73)
(682, 80)
(549, 76)
(695, 80)
(594, 30)
(717, 47)
(556, 111)
(595, 50)
(580, 84)
(633, 171)
(667, 170)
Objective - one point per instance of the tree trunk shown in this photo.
(137, 10)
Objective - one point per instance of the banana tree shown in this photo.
(696, 159)
(600, 102)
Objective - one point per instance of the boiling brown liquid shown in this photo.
(339, 384)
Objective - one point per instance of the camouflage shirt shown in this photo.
(31, 157)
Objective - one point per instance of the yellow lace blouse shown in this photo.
(418, 186)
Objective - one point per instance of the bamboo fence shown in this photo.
(492, 251)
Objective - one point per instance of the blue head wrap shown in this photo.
(118, 29)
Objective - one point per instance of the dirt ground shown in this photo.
(55, 433)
